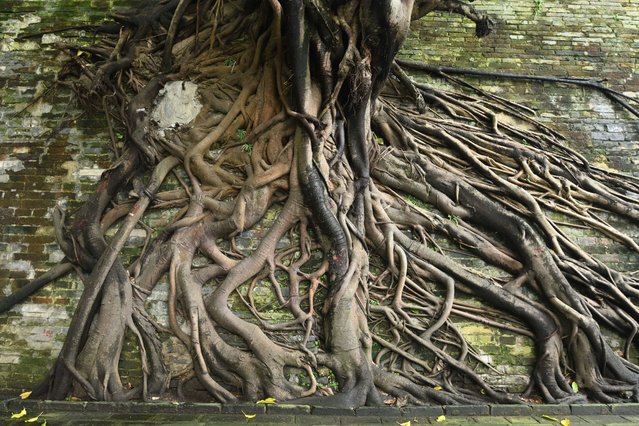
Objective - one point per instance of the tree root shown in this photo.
(352, 230)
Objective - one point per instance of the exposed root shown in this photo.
(351, 223)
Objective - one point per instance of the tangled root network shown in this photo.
(363, 184)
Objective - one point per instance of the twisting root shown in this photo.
(352, 291)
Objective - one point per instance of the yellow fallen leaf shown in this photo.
(565, 422)
(437, 388)
(267, 401)
(249, 416)
(19, 415)
(33, 419)
(25, 395)
(405, 423)
(441, 419)
(552, 419)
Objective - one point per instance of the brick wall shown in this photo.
(48, 155)
(577, 38)
(42, 161)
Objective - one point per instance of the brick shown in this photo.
(510, 410)
(243, 409)
(628, 408)
(292, 409)
(332, 411)
(550, 409)
(467, 410)
(589, 409)
(425, 411)
(379, 411)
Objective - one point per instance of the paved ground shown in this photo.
(97, 413)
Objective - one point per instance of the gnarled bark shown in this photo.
(292, 91)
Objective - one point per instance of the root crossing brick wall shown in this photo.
(44, 161)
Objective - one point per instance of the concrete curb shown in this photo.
(308, 410)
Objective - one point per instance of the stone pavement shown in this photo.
(58, 413)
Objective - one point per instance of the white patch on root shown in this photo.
(177, 105)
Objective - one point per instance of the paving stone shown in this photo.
(135, 407)
(131, 417)
(317, 420)
(363, 420)
(601, 419)
(521, 420)
(491, 420)
(552, 418)
(280, 419)
(453, 420)
(415, 421)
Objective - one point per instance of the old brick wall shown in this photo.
(41, 165)
(576, 38)
(48, 155)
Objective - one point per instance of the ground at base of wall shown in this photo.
(169, 413)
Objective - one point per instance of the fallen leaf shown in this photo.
(565, 422)
(553, 419)
(267, 401)
(249, 416)
(405, 423)
(19, 415)
(33, 419)
(441, 419)
(25, 395)
(575, 387)
(437, 388)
